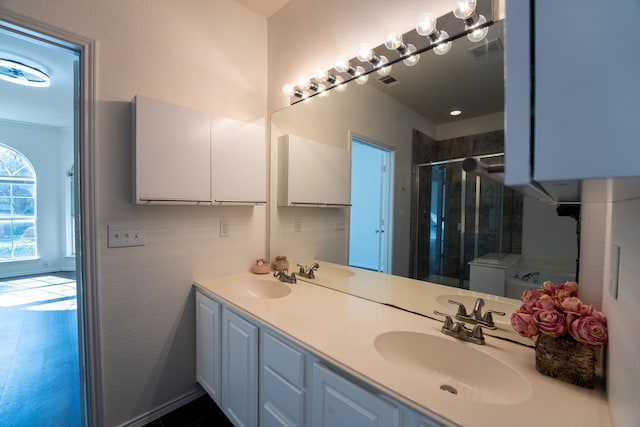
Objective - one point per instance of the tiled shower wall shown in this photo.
(426, 150)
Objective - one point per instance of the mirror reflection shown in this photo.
(408, 208)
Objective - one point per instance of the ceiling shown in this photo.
(49, 106)
(264, 8)
(433, 87)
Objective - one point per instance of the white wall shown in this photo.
(208, 55)
(50, 152)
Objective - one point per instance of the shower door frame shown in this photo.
(463, 189)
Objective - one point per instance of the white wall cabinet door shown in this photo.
(339, 402)
(171, 154)
(584, 95)
(239, 369)
(312, 174)
(208, 342)
(238, 162)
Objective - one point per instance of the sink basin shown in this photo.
(261, 288)
(489, 304)
(327, 272)
(454, 367)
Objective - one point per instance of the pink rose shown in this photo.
(550, 322)
(545, 302)
(529, 299)
(571, 288)
(523, 324)
(589, 331)
(575, 306)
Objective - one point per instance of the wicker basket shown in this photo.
(566, 360)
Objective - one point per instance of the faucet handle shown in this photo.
(448, 321)
(302, 268)
(488, 318)
(462, 311)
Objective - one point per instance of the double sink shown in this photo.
(454, 366)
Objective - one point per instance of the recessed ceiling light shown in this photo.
(455, 112)
(19, 73)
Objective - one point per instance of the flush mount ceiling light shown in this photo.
(455, 112)
(19, 73)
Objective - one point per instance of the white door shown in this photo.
(370, 215)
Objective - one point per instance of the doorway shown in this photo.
(43, 377)
(370, 215)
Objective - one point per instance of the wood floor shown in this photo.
(39, 370)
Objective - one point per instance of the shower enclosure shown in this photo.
(461, 217)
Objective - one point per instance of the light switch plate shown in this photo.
(225, 226)
(123, 235)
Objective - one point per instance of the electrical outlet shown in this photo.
(340, 224)
(297, 225)
(120, 236)
(225, 225)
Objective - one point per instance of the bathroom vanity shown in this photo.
(279, 354)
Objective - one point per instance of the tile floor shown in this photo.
(39, 374)
(202, 412)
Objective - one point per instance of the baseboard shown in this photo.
(168, 407)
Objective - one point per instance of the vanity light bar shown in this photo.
(468, 18)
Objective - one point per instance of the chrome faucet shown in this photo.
(460, 331)
(284, 277)
(476, 317)
(308, 272)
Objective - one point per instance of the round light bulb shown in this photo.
(441, 48)
(363, 79)
(304, 83)
(412, 57)
(288, 89)
(480, 33)
(464, 9)
(341, 87)
(322, 75)
(384, 69)
(393, 41)
(426, 24)
(365, 53)
(342, 64)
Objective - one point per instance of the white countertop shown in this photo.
(342, 328)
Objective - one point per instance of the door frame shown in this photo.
(86, 256)
(389, 225)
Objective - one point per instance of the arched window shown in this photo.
(17, 206)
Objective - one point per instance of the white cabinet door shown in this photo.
(312, 174)
(238, 162)
(208, 341)
(339, 402)
(239, 369)
(171, 154)
(575, 116)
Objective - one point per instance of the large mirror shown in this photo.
(413, 211)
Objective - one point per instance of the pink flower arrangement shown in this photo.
(556, 310)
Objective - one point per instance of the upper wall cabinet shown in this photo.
(312, 174)
(171, 154)
(238, 162)
(575, 117)
(183, 156)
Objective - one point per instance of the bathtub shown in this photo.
(531, 278)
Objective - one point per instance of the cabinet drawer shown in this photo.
(288, 399)
(284, 360)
